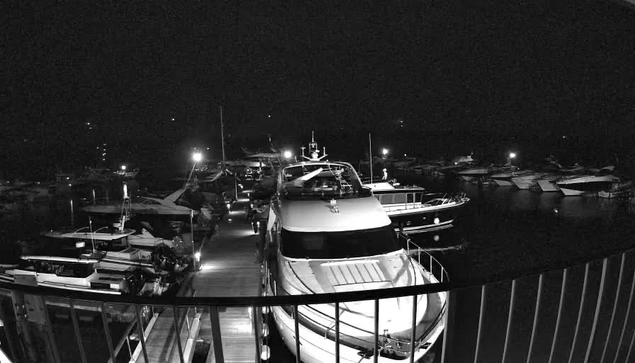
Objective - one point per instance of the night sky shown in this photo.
(463, 76)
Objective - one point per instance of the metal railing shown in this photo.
(579, 313)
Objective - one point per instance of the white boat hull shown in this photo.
(315, 348)
(548, 186)
(503, 182)
(571, 192)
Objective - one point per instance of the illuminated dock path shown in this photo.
(229, 267)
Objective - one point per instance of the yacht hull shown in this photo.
(548, 186)
(572, 192)
(315, 348)
(420, 219)
(503, 182)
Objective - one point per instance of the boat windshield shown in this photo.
(335, 245)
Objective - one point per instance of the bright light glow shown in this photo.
(265, 353)
(197, 256)
(437, 220)
(197, 157)
(80, 244)
(123, 167)
(436, 238)
(384, 152)
(512, 155)
(287, 154)
(208, 266)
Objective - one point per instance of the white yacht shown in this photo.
(168, 206)
(78, 274)
(473, 173)
(587, 184)
(329, 234)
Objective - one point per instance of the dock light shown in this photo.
(265, 353)
(384, 151)
(512, 155)
(287, 154)
(197, 256)
(197, 157)
(123, 168)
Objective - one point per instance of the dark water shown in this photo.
(502, 230)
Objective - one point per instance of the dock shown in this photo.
(229, 266)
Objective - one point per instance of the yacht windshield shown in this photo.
(335, 245)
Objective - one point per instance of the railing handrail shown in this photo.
(244, 301)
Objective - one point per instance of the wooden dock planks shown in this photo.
(229, 267)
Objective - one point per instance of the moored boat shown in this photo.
(411, 209)
(328, 234)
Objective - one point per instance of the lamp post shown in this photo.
(512, 155)
(196, 157)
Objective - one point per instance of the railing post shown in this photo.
(296, 322)
(563, 289)
(512, 304)
(480, 321)
(582, 298)
(177, 334)
(142, 337)
(337, 332)
(78, 336)
(448, 321)
(376, 345)
(628, 313)
(535, 324)
(598, 303)
(107, 332)
(617, 297)
(217, 340)
(413, 334)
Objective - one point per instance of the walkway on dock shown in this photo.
(229, 266)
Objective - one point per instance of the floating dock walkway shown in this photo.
(229, 266)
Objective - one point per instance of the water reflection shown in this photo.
(581, 208)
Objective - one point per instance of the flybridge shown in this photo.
(317, 177)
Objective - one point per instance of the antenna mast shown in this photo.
(370, 156)
(222, 137)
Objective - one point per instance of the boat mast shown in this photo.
(370, 156)
(222, 137)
